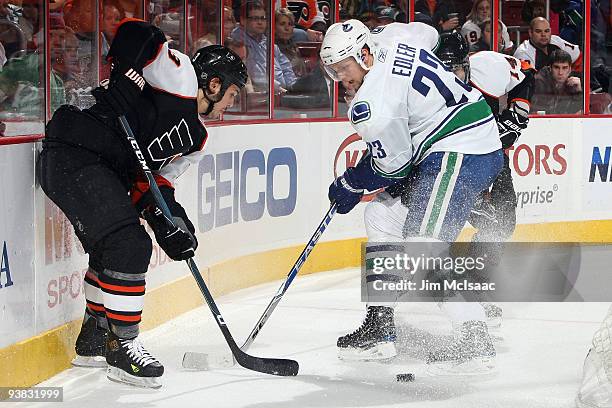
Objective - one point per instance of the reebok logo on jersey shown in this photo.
(360, 112)
(136, 78)
(171, 144)
(382, 54)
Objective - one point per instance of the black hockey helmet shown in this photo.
(453, 51)
(217, 61)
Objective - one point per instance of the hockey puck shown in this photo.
(409, 377)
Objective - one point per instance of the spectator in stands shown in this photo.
(22, 93)
(556, 91)
(390, 14)
(8, 11)
(252, 33)
(444, 14)
(80, 17)
(473, 27)
(210, 27)
(11, 36)
(504, 44)
(570, 18)
(285, 23)
(532, 9)
(241, 50)
(317, 25)
(229, 21)
(130, 8)
(481, 11)
(317, 29)
(369, 18)
(111, 16)
(30, 21)
(540, 45)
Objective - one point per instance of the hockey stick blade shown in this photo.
(274, 366)
(208, 361)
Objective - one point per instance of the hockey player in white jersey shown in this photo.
(596, 388)
(495, 75)
(422, 125)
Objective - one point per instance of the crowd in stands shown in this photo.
(550, 37)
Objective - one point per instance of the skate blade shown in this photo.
(203, 361)
(473, 367)
(92, 362)
(118, 375)
(379, 352)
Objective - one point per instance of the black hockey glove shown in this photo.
(510, 125)
(122, 91)
(344, 192)
(179, 242)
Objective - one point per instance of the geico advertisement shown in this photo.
(245, 185)
(540, 164)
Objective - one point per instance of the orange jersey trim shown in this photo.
(123, 317)
(126, 289)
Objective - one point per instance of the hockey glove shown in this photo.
(344, 193)
(178, 242)
(510, 125)
(122, 91)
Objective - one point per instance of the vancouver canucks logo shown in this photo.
(346, 27)
(360, 112)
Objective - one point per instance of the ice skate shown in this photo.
(374, 340)
(129, 362)
(90, 345)
(596, 389)
(472, 353)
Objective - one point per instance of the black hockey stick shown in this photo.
(201, 361)
(275, 366)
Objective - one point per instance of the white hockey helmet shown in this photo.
(344, 40)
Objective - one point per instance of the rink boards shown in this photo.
(255, 198)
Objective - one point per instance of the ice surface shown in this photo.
(539, 361)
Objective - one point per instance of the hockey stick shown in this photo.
(201, 361)
(275, 366)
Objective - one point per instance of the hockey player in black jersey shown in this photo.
(88, 169)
